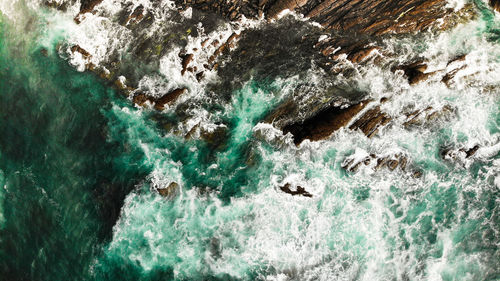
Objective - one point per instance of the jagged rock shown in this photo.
(495, 4)
(324, 123)
(370, 122)
(186, 59)
(169, 98)
(415, 72)
(358, 56)
(170, 191)
(88, 5)
(461, 153)
(429, 114)
(55, 4)
(376, 162)
(299, 190)
(281, 5)
(137, 15)
(447, 78)
(159, 103)
(77, 48)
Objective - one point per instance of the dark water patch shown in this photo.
(64, 189)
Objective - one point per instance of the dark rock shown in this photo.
(495, 4)
(370, 122)
(281, 5)
(352, 165)
(63, 6)
(472, 151)
(141, 98)
(299, 191)
(358, 56)
(454, 154)
(415, 72)
(169, 98)
(324, 123)
(417, 174)
(88, 5)
(392, 164)
(427, 115)
(77, 48)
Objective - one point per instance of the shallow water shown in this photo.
(79, 165)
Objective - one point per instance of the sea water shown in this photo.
(80, 164)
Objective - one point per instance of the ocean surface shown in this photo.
(80, 164)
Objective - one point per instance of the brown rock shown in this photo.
(77, 48)
(137, 15)
(170, 191)
(281, 5)
(360, 55)
(324, 123)
(495, 4)
(169, 98)
(415, 72)
(392, 164)
(159, 104)
(370, 122)
(140, 99)
(186, 59)
(88, 5)
(471, 151)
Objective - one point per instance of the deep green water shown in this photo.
(79, 164)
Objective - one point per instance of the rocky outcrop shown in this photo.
(376, 162)
(351, 29)
(371, 121)
(88, 6)
(391, 162)
(281, 5)
(373, 17)
(170, 191)
(158, 103)
(457, 153)
(324, 123)
(299, 190)
(495, 4)
(427, 115)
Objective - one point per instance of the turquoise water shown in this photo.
(79, 165)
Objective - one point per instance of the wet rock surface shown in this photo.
(376, 162)
(299, 190)
(324, 124)
(350, 30)
(495, 4)
(159, 103)
(170, 191)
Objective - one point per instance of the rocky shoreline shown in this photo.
(340, 36)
